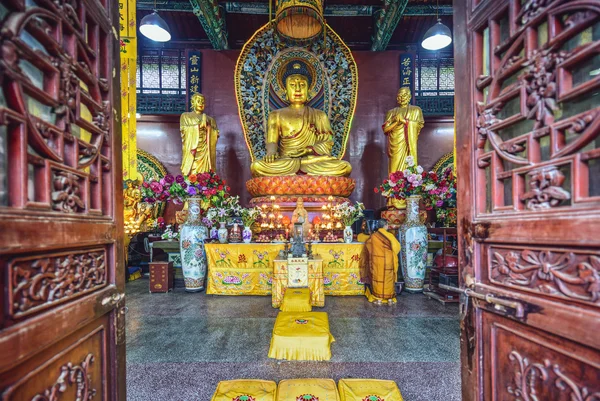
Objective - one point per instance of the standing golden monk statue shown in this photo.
(199, 135)
(299, 138)
(402, 127)
(131, 198)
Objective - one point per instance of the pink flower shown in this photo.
(156, 187)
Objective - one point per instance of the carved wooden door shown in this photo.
(61, 258)
(528, 144)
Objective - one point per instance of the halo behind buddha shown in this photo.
(260, 84)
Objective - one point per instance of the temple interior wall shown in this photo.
(377, 87)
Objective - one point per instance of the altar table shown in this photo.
(247, 269)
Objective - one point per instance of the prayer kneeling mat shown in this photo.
(368, 390)
(307, 390)
(296, 300)
(245, 390)
(301, 336)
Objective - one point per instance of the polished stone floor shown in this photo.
(180, 345)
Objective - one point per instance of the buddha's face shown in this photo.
(296, 87)
(198, 103)
(403, 97)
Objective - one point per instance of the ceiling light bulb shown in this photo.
(155, 28)
(437, 37)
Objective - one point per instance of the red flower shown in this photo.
(376, 190)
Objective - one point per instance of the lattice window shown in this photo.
(56, 108)
(434, 83)
(537, 73)
(161, 81)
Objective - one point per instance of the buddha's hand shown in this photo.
(271, 157)
(300, 153)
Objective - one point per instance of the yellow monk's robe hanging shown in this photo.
(382, 269)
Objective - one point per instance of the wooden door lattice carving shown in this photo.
(55, 107)
(538, 73)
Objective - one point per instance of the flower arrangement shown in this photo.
(170, 233)
(224, 209)
(412, 182)
(348, 213)
(209, 186)
(250, 215)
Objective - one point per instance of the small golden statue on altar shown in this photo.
(199, 135)
(131, 199)
(299, 138)
(402, 127)
(301, 215)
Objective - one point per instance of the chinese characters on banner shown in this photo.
(407, 72)
(194, 70)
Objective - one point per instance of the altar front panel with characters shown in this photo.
(247, 269)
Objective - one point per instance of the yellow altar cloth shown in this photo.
(296, 300)
(319, 389)
(247, 269)
(301, 336)
(368, 390)
(240, 390)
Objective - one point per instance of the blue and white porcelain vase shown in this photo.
(191, 243)
(413, 241)
(247, 235)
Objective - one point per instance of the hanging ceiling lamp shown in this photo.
(438, 36)
(299, 20)
(155, 28)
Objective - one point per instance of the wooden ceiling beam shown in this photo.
(386, 21)
(262, 8)
(212, 19)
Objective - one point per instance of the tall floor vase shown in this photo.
(193, 258)
(413, 240)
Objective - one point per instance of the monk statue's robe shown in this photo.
(379, 268)
(313, 135)
(199, 136)
(402, 127)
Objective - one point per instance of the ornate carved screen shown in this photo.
(529, 125)
(60, 215)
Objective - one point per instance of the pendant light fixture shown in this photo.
(438, 36)
(154, 27)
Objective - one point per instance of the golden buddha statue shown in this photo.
(299, 138)
(199, 135)
(300, 213)
(131, 198)
(402, 127)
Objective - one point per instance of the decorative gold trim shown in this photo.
(154, 160)
(443, 160)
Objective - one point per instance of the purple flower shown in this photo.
(192, 191)
(167, 193)
(179, 179)
(183, 185)
(162, 181)
(156, 187)
(439, 203)
(169, 179)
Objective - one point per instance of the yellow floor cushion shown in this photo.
(296, 300)
(307, 390)
(301, 336)
(245, 390)
(368, 390)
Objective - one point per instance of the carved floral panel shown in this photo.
(38, 283)
(537, 106)
(77, 371)
(55, 106)
(559, 273)
(527, 366)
